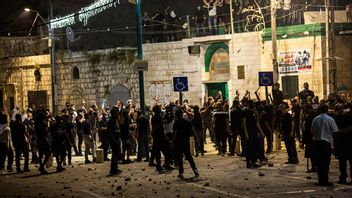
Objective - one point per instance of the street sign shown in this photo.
(180, 84)
(266, 79)
(141, 65)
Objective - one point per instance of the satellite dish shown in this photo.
(69, 34)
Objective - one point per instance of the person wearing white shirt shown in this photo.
(5, 142)
(322, 129)
(14, 112)
(211, 5)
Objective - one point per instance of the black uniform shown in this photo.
(142, 138)
(21, 145)
(289, 140)
(221, 118)
(252, 142)
(160, 142)
(183, 130)
(237, 116)
(114, 136)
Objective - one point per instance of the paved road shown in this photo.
(220, 177)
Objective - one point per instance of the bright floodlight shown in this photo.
(27, 9)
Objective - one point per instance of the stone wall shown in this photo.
(168, 60)
(96, 79)
(313, 17)
(99, 78)
(17, 79)
(247, 52)
(344, 62)
(22, 46)
(317, 77)
(314, 77)
(93, 86)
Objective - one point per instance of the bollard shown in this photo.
(238, 146)
(100, 156)
(277, 141)
(50, 162)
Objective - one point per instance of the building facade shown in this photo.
(226, 63)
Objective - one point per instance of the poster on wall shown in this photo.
(295, 61)
(220, 66)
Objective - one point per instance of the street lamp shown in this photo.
(35, 19)
(35, 11)
(51, 45)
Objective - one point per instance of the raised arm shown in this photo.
(207, 109)
(189, 113)
(206, 4)
(248, 94)
(256, 94)
(271, 99)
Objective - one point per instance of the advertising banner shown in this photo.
(295, 62)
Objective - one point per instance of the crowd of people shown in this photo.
(212, 17)
(124, 130)
(209, 18)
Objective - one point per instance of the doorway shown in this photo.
(289, 86)
(213, 89)
(119, 93)
(37, 99)
(11, 101)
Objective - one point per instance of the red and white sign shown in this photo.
(295, 61)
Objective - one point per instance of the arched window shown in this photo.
(75, 73)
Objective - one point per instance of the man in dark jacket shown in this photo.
(20, 142)
(44, 144)
(183, 129)
(237, 116)
(104, 135)
(114, 136)
(160, 142)
(288, 134)
(142, 136)
(342, 141)
(220, 125)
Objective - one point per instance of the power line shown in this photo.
(124, 29)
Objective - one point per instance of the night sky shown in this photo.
(14, 21)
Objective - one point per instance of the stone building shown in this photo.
(223, 63)
(97, 77)
(229, 63)
(82, 78)
(25, 81)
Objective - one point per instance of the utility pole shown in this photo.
(51, 43)
(330, 46)
(140, 54)
(274, 40)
